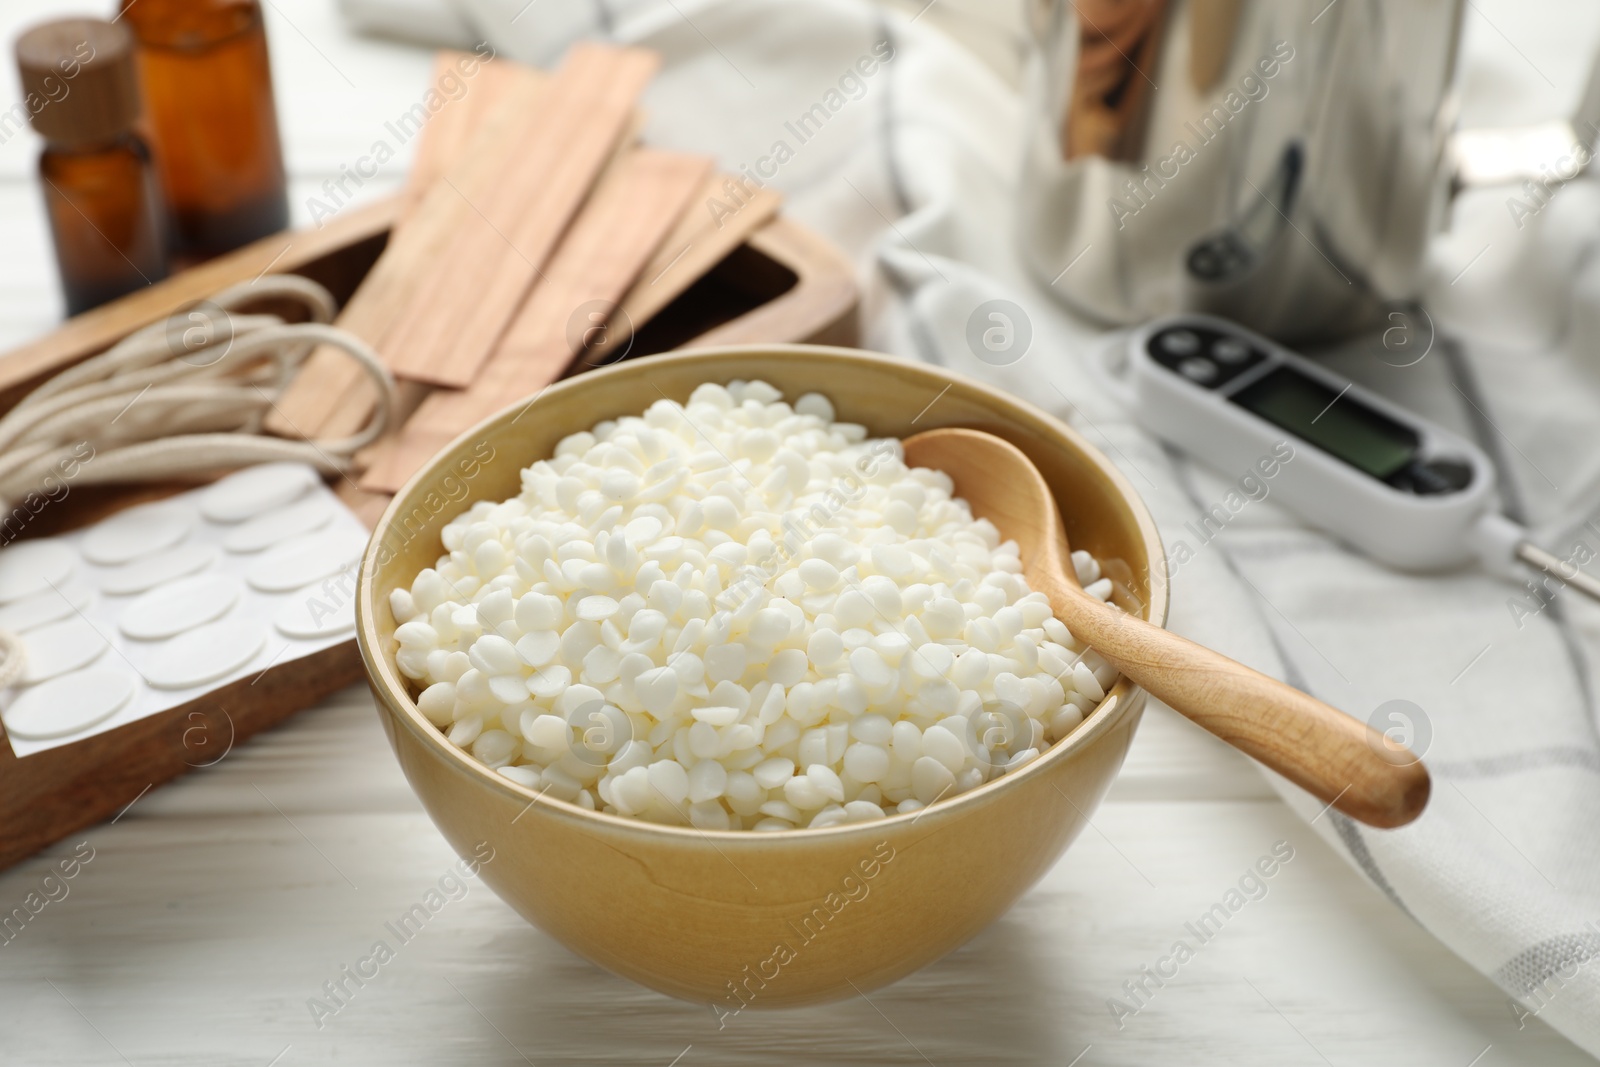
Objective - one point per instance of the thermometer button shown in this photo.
(1180, 342)
(1230, 350)
(1198, 369)
(1432, 477)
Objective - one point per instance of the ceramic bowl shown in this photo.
(744, 919)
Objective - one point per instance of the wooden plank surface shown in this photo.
(469, 293)
(637, 203)
(50, 794)
(217, 907)
(210, 913)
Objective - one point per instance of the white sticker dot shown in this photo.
(60, 647)
(256, 490)
(315, 612)
(204, 655)
(29, 567)
(263, 531)
(183, 605)
(304, 560)
(51, 605)
(69, 704)
(157, 568)
(138, 532)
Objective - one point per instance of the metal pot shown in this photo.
(1282, 163)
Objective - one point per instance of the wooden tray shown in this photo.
(783, 284)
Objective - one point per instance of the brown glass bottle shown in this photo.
(208, 97)
(100, 189)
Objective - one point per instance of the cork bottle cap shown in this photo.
(78, 79)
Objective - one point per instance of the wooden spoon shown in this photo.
(1345, 763)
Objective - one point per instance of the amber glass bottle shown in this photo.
(100, 190)
(208, 93)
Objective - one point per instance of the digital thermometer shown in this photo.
(1403, 490)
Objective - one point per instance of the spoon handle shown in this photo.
(1340, 760)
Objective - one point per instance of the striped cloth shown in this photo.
(914, 174)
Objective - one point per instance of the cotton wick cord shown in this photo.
(184, 397)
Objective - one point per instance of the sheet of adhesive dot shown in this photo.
(163, 603)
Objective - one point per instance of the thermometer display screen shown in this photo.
(1366, 439)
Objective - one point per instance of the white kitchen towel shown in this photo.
(913, 172)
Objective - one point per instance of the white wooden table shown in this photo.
(215, 907)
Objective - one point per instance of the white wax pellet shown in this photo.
(137, 532)
(930, 779)
(465, 731)
(1083, 678)
(523, 775)
(709, 815)
(669, 780)
(656, 689)
(827, 781)
(256, 490)
(707, 780)
(150, 571)
(813, 747)
(769, 627)
(862, 811)
(787, 667)
(547, 731)
(804, 793)
(437, 703)
(814, 404)
(866, 763)
(538, 647)
(1088, 570)
(819, 574)
(716, 716)
(596, 608)
(945, 747)
(873, 729)
(824, 648)
(494, 747)
(870, 667)
(772, 773)
(31, 567)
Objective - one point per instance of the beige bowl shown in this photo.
(742, 919)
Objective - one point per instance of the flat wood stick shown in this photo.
(483, 83)
(701, 240)
(473, 290)
(636, 205)
(409, 395)
(331, 395)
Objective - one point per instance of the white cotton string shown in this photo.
(184, 397)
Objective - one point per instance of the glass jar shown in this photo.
(207, 87)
